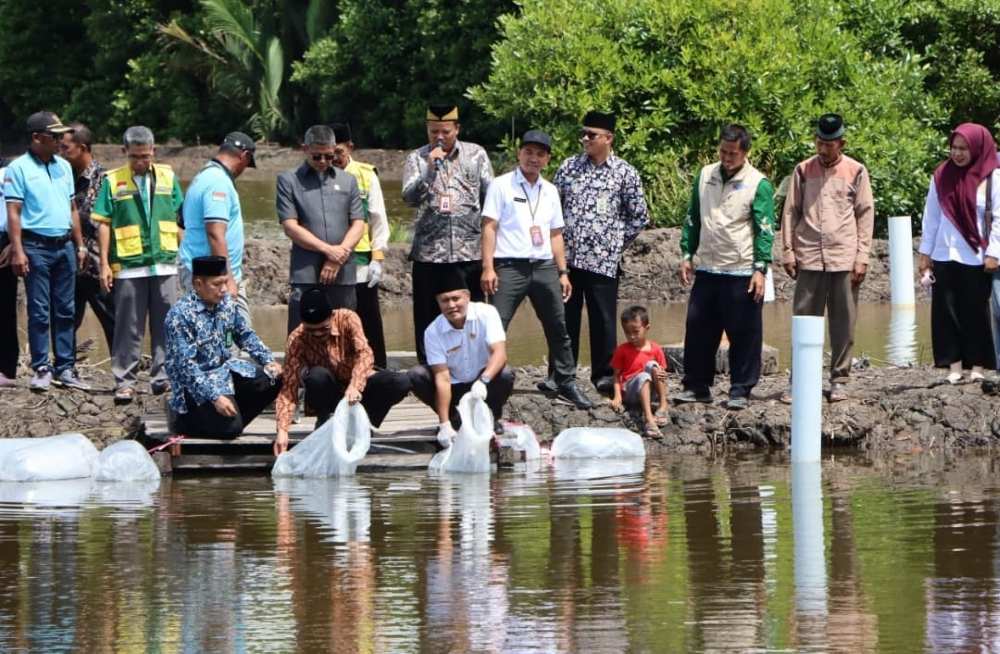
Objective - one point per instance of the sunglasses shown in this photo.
(321, 157)
(588, 135)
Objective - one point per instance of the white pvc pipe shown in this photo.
(901, 348)
(810, 556)
(901, 261)
(807, 387)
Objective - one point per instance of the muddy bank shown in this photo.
(890, 410)
(649, 275)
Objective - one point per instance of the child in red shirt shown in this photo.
(640, 371)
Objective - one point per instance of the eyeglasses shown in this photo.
(587, 135)
(321, 157)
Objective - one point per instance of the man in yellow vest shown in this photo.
(136, 212)
(730, 226)
(369, 252)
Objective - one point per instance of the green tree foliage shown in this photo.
(675, 72)
(958, 41)
(385, 59)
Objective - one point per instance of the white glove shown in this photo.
(374, 273)
(479, 390)
(446, 434)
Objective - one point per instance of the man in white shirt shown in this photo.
(523, 255)
(466, 353)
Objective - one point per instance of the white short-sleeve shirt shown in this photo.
(510, 201)
(465, 351)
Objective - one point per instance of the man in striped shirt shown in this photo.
(329, 356)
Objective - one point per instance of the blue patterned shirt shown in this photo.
(604, 209)
(199, 359)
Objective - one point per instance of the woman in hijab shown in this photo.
(959, 246)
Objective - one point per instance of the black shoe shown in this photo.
(159, 387)
(605, 386)
(548, 387)
(497, 428)
(574, 395)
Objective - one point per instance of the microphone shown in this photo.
(438, 162)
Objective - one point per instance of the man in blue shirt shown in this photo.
(215, 394)
(47, 248)
(213, 220)
(9, 347)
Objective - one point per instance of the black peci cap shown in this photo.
(830, 127)
(314, 307)
(210, 266)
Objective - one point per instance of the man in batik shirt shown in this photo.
(604, 210)
(215, 393)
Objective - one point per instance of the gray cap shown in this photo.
(537, 137)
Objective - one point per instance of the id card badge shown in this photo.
(444, 203)
(536, 236)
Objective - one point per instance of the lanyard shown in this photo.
(538, 201)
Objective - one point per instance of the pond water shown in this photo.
(684, 555)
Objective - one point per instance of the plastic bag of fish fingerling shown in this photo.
(333, 450)
(597, 443)
(470, 451)
(126, 461)
(64, 456)
(522, 437)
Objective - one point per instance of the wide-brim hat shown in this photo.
(830, 127)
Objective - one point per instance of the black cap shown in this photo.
(538, 137)
(46, 121)
(314, 307)
(449, 279)
(210, 266)
(243, 142)
(341, 132)
(830, 127)
(599, 120)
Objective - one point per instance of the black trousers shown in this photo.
(717, 303)
(425, 306)
(88, 291)
(371, 321)
(497, 391)
(960, 316)
(9, 347)
(384, 390)
(601, 296)
(252, 396)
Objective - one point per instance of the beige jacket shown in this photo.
(829, 216)
(727, 235)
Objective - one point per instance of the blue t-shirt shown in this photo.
(212, 197)
(45, 192)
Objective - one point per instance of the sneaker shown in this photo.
(159, 387)
(574, 396)
(41, 381)
(6, 382)
(837, 392)
(737, 403)
(688, 396)
(69, 379)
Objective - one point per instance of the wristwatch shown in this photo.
(760, 266)
(484, 378)
(563, 272)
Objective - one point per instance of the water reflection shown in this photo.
(685, 555)
(901, 345)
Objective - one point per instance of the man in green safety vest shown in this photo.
(136, 212)
(369, 253)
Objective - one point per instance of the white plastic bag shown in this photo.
(126, 461)
(581, 469)
(470, 449)
(332, 450)
(65, 456)
(522, 438)
(597, 443)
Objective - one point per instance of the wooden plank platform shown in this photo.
(406, 440)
